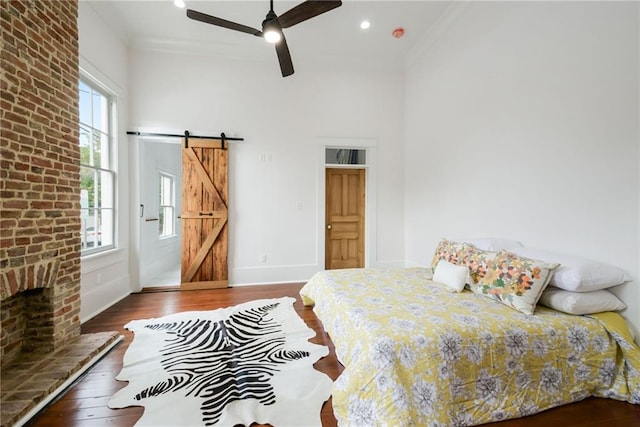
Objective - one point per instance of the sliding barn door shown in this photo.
(345, 200)
(204, 214)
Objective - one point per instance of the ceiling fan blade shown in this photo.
(284, 57)
(306, 10)
(208, 19)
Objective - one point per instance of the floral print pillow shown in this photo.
(448, 251)
(514, 281)
(478, 262)
(465, 254)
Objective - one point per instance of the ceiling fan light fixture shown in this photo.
(271, 30)
(272, 35)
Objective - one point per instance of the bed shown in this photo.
(416, 353)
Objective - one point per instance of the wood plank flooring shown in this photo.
(85, 403)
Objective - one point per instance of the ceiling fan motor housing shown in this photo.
(271, 23)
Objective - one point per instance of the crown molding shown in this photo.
(441, 26)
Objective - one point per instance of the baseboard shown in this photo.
(273, 274)
(93, 301)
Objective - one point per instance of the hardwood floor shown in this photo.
(85, 403)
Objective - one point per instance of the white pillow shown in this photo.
(575, 273)
(491, 244)
(581, 302)
(452, 275)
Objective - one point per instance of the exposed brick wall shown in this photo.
(40, 167)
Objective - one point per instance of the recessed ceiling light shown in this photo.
(365, 24)
(179, 3)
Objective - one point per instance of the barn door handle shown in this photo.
(328, 226)
(206, 213)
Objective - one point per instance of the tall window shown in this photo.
(167, 205)
(97, 171)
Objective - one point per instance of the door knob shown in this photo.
(328, 226)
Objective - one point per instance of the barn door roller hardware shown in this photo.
(223, 138)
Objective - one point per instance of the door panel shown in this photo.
(204, 215)
(344, 233)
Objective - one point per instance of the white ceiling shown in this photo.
(334, 38)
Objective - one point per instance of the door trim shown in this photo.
(370, 230)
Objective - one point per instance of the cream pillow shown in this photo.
(452, 275)
(581, 302)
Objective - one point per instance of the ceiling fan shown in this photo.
(273, 24)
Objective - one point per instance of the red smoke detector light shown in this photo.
(398, 32)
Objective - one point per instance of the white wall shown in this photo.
(105, 277)
(158, 255)
(273, 175)
(516, 120)
(522, 122)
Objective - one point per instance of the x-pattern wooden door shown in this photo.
(204, 214)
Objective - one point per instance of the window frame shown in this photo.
(165, 175)
(345, 157)
(108, 131)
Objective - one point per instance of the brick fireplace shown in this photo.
(39, 190)
(40, 241)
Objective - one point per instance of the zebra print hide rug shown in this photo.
(238, 365)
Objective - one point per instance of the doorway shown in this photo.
(183, 212)
(160, 193)
(360, 155)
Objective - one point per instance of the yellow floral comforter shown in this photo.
(417, 354)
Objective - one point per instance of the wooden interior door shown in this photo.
(344, 204)
(204, 214)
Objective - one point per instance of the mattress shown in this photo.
(416, 353)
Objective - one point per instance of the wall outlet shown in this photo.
(263, 259)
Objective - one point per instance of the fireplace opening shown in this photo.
(27, 324)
